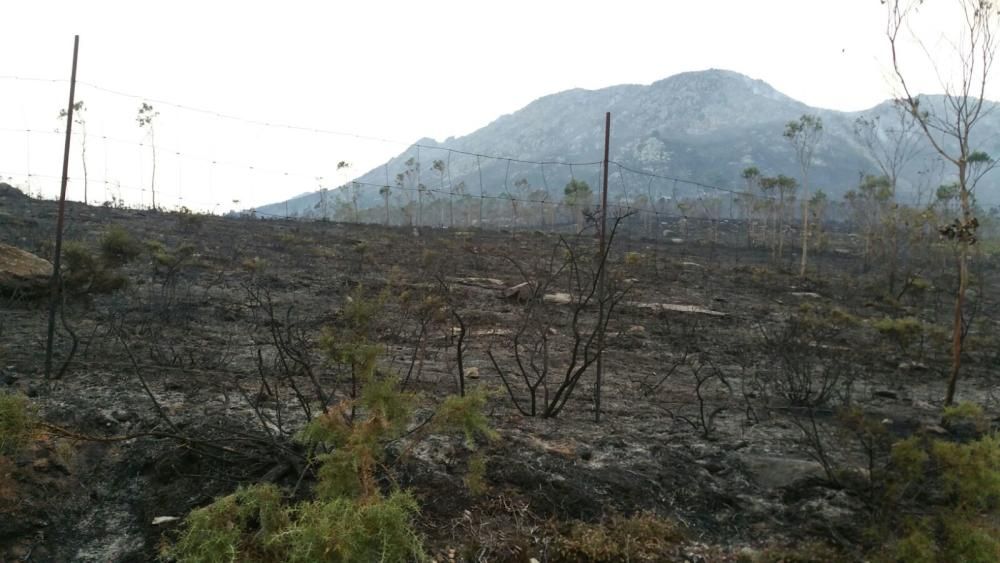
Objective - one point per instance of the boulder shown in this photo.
(521, 292)
(23, 272)
(558, 298)
(775, 472)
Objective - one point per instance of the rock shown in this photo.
(478, 281)
(637, 330)
(935, 430)
(713, 466)
(23, 272)
(105, 420)
(164, 520)
(835, 508)
(558, 298)
(678, 308)
(520, 292)
(472, 373)
(677, 240)
(808, 294)
(963, 430)
(774, 472)
(122, 415)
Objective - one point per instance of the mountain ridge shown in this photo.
(703, 126)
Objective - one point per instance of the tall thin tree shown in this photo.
(804, 135)
(80, 119)
(145, 120)
(948, 124)
(891, 146)
(385, 192)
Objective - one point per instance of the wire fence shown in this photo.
(425, 186)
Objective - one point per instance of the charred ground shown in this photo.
(725, 379)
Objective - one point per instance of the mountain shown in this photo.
(704, 126)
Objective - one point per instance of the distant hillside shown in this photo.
(702, 126)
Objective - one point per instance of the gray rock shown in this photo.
(774, 472)
(122, 415)
(520, 292)
(23, 272)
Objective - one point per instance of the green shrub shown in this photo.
(358, 445)
(17, 423)
(465, 414)
(633, 259)
(169, 259)
(253, 524)
(188, 220)
(85, 273)
(965, 413)
(118, 247)
(475, 475)
(254, 265)
(242, 526)
(808, 552)
(292, 239)
(344, 530)
(78, 260)
(917, 546)
(941, 501)
(904, 332)
(642, 537)
(351, 517)
(822, 323)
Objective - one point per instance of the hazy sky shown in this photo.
(390, 70)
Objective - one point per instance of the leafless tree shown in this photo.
(570, 265)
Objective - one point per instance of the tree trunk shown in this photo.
(86, 200)
(866, 264)
(805, 237)
(152, 181)
(779, 236)
(893, 254)
(963, 281)
(956, 337)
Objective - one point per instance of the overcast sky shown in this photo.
(389, 70)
